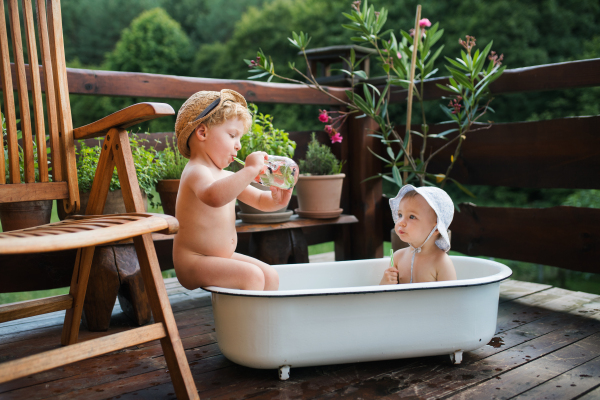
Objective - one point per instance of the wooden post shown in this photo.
(365, 239)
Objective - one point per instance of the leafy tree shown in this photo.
(527, 33)
(91, 28)
(207, 21)
(153, 43)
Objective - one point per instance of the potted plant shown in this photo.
(148, 167)
(168, 184)
(23, 214)
(319, 187)
(263, 136)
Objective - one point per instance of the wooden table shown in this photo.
(116, 272)
(546, 345)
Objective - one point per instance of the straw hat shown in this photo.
(200, 106)
(438, 200)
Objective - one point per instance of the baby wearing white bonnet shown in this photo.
(421, 214)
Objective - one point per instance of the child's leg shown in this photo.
(271, 276)
(194, 271)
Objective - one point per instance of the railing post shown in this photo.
(366, 238)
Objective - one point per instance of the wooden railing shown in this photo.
(561, 153)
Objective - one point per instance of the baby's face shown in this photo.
(223, 141)
(416, 219)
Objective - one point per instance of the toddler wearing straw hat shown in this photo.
(209, 127)
(422, 216)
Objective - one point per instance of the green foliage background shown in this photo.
(221, 33)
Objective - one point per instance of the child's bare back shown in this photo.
(204, 248)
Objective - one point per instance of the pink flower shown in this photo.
(337, 138)
(412, 32)
(399, 55)
(424, 23)
(328, 129)
(323, 117)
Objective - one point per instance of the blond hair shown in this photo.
(227, 111)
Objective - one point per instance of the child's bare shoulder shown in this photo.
(398, 254)
(445, 268)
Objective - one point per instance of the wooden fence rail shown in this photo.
(559, 153)
(567, 75)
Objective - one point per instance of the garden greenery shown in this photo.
(319, 160)
(468, 87)
(149, 166)
(172, 160)
(263, 136)
(22, 156)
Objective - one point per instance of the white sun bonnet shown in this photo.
(439, 201)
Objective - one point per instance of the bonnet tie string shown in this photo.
(416, 250)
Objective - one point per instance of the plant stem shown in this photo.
(454, 158)
(411, 86)
(425, 132)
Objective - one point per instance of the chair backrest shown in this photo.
(51, 78)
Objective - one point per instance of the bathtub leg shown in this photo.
(456, 357)
(284, 372)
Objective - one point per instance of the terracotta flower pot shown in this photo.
(114, 202)
(25, 214)
(252, 215)
(167, 190)
(319, 195)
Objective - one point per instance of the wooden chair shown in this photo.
(82, 232)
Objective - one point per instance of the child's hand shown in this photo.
(256, 161)
(390, 277)
(281, 196)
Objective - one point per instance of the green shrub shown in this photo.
(153, 43)
(172, 160)
(584, 198)
(263, 136)
(148, 166)
(319, 160)
(21, 156)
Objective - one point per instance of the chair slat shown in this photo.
(9, 103)
(36, 90)
(34, 191)
(52, 112)
(15, 24)
(63, 105)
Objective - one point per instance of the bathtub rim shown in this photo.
(504, 273)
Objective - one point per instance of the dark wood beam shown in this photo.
(559, 153)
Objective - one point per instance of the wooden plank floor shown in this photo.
(547, 346)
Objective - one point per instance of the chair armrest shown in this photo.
(123, 119)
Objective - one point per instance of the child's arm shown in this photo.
(217, 193)
(446, 271)
(266, 201)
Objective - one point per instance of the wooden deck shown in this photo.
(547, 346)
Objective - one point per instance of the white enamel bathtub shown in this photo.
(335, 312)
